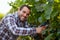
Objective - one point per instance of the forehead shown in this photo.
(26, 9)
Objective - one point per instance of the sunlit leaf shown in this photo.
(48, 11)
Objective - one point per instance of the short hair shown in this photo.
(25, 6)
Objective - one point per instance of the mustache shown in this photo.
(26, 18)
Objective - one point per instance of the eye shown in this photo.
(24, 12)
(27, 14)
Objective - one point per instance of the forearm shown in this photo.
(23, 31)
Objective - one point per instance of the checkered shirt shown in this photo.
(11, 27)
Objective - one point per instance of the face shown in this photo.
(24, 13)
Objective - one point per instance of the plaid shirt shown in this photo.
(11, 27)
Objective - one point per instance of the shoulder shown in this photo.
(8, 16)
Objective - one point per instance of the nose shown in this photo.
(25, 15)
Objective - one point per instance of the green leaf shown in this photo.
(58, 33)
(39, 7)
(50, 0)
(48, 11)
(24, 38)
(49, 37)
(40, 19)
(54, 13)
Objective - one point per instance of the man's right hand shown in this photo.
(40, 29)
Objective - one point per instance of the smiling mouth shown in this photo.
(24, 18)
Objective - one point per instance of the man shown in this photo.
(15, 25)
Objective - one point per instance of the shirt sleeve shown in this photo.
(10, 22)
